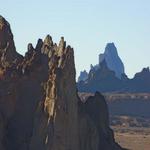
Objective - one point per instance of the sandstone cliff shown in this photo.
(39, 105)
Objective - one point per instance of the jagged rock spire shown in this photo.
(112, 59)
(39, 45)
(48, 41)
(8, 52)
(39, 104)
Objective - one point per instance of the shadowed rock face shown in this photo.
(39, 105)
(94, 124)
(105, 80)
(102, 79)
(8, 52)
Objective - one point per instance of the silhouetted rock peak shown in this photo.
(30, 47)
(146, 70)
(109, 75)
(104, 80)
(6, 37)
(112, 59)
(39, 45)
(83, 76)
(8, 52)
(144, 74)
(111, 48)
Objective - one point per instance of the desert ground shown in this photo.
(133, 138)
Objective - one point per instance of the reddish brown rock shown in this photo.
(39, 105)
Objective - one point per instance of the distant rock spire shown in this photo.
(83, 76)
(112, 59)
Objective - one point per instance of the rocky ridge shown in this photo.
(103, 79)
(112, 60)
(39, 105)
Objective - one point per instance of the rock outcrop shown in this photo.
(39, 105)
(141, 81)
(94, 124)
(83, 76)
(112, 59)
(113, 62)
(8, 52)
(103, 79)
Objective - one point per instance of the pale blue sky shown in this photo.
(87, 26)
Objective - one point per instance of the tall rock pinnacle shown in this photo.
(112, 59)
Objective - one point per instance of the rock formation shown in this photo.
(83, 76)
(103, 79)
(94, 125)
(112, 59)
(113, 62)
(39, 105)
(8, 52)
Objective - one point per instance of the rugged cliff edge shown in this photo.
(39, 105)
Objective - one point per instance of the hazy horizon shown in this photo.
(87, 26)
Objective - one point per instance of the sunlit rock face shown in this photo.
(39, 105)
(112, 59)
